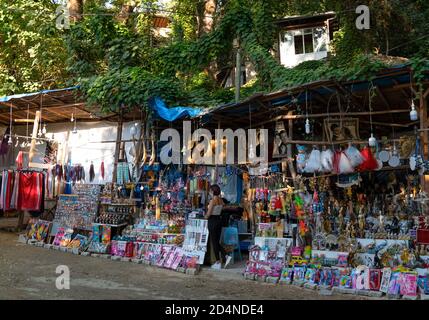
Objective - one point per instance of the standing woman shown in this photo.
(215, 226)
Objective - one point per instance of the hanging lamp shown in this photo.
(307, 126)
(413, 113)
(307, 121)
(133, 129)
(75, 120)
(44, 129)
(74, 128)
(372, 141)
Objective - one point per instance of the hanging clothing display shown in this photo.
(30, 195)
(102, 170)
(20, 160)
(22, 190)
(123, 173)
(91, 173)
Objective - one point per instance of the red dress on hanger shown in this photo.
(30, 193)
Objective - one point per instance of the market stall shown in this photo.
(344, 201)
(340, 201)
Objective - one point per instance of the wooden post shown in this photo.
(289, 150)
(34, 136)
(424, 180)
(118, 145)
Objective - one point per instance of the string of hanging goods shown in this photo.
(413, 113)
(39, 134)
(74, 120)
(307, 121)
(371, 141)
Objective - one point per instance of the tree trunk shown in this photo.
(75, 9)
(209, 11)
(205, 27)
(125, 13)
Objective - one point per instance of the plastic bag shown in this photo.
(354, 156)
(313, 162)
(326, 159)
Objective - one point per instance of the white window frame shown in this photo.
(305, 31)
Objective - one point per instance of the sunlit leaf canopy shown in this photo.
(113, 52)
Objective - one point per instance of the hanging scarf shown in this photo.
(19, 160)
(91, 173)
(4, 147)
(72, 173)
(369, 162)
(59, 171)
(102, 170)
(77, 173)
(336, 162)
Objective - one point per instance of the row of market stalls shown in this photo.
(340, 201)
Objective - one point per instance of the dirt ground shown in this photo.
(28, 272)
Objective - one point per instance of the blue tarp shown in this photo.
(23, 95)
(174, 113)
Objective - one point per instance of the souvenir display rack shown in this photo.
(78, 210)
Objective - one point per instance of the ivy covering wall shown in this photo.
(121, 61)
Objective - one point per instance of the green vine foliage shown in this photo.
(121, 63)
(32, 52)
(180, 66)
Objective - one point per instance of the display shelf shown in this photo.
(118, 204)
(160, 233)
(158, 244)
(366, 241)
(111, 225)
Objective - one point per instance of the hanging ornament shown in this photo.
(307, 126)
(44, 129)
(17, 143)
(102, 170)
(91, 172)
(372, 141)
(39, 134)
(10, 140)
(72, 118)
(74, 128)
(413, 113)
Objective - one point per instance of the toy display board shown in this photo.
(78, 210)
(67, 239)
(388, 281)
(100, 241)
(279, 245)
(267, 256)
(122, 248)
(329, 258)
(266, 230)
(196, 239)
(38, 230)
(169, 231)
